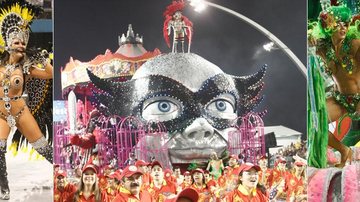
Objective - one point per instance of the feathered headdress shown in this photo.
(333, 14)
(15, 19)
(173, 7)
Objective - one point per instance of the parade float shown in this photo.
(210, 111)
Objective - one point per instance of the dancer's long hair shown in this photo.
(95, 189)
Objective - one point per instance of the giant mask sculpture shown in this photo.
(195, 100)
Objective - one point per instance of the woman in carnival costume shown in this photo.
(22, 70)
(336, 37)
(215, 166)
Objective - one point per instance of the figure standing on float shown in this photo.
(180, 25)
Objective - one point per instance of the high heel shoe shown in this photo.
(345, 158)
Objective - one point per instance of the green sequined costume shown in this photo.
(317, 118)
(321, 26)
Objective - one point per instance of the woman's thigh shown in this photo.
(28, 126)
(4, 129)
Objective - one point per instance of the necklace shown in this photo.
(345, 62)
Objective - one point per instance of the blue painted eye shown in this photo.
(221, 108)
(220, 105)
(164, 106)
(161, 109)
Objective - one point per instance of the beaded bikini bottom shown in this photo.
(11, 119)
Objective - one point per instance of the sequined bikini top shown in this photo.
(10, 78)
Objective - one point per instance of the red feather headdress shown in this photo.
(173, 7)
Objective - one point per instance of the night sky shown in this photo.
(86, 28)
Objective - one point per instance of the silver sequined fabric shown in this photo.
(181, 67)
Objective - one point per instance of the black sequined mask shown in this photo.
(216, 96)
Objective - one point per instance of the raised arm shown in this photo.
(46, 73)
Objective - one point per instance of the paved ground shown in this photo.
(29, 180)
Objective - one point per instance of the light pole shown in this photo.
(201, 4)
